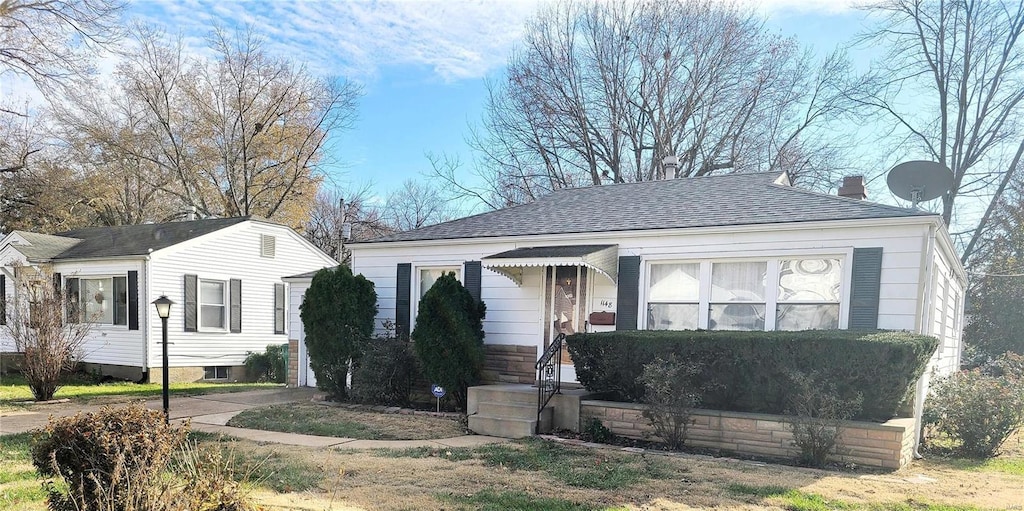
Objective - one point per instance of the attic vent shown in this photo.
(268, 245)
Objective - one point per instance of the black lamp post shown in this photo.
(163, 309)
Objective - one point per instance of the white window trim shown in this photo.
(199, 307)
(98, 276)
(284, 305)
(772, 258)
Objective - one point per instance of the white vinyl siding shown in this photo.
(108, 343)
(231, 253)
(515, 314)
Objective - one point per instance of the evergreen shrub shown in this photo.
(338, 314)
(750, 371)
(449, 337)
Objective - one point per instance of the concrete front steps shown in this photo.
(506, 411)
(510, 410)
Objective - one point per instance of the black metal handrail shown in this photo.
(549, 377)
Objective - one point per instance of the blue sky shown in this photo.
(422, 63)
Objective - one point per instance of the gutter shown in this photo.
(924, 323)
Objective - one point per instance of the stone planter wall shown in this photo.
(888, 445)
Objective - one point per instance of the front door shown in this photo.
(565, 308)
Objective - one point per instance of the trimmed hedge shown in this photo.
(753, 370)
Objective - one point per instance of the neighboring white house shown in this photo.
(737, 251)
(224, 275)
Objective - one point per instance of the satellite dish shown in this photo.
(919, 180)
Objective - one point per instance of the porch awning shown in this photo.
(601, 258)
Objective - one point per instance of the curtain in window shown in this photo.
(679, 286)
(808, 294)
(738, 295)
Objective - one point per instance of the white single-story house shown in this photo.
(224, 275)
(735, 251)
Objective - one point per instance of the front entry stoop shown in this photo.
(506, 411)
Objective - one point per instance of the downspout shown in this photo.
(924, 322)
(144, 305)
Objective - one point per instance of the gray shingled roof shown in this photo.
(710, 201)
(43, 247)
(118, 241)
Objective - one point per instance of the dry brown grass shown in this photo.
(316, 419)
(366, 480)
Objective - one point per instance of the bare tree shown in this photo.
(602, 92)
(34, 320)
(332, 211)
(952, 85)
(241, 133)
(54, 42)
(416, 204)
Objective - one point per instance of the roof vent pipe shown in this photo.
(853, 188)
(670, 164)
(191, 213)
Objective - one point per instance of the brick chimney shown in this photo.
(853, 188)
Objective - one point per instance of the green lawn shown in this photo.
(13, 388)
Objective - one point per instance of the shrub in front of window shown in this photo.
(974, 411)
(269, 366)
(111, 459)
(337, 314)
(753, 368)
(385, 372)
(815, 416)
(672, 389)
(449, 337)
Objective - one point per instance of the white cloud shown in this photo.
(457, 39)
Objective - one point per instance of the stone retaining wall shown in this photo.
(505, 363)
(887, 445)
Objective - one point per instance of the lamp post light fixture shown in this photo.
(163, 309)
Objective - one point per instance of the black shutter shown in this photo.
(279, 308)
(628, 294)
(867, 277)
(3, 299)
(236, 306)
(133, 300)
(191, 303)
(471, 278)
(403, 292)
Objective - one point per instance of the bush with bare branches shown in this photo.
(35, 322)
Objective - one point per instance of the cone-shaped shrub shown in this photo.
(337, 314)
(449, 337)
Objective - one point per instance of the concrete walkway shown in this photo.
(210, 414)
